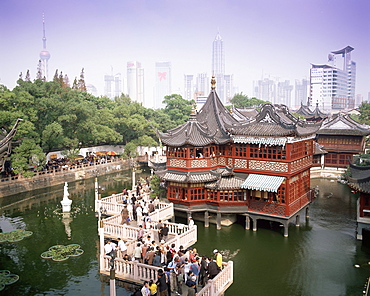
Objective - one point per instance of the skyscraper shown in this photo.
(218, 66)
(202, 87)
(218, 58)
(332, 85)
(162, 83)
(135, 81)
(188, 87)
(44, 54)
(113, 85)
(301, 93)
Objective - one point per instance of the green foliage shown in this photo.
(71, 154)
(242, 101)
(157, 188)
(58, 117)
(178, 108)
(299, 116)
(27, 157)
(364, 110)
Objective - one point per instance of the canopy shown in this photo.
(111, 153)
(262, 182)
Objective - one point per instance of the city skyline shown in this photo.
(267, 39)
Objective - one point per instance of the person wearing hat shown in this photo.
(218, 258)
(191, 222)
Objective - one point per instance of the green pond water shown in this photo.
(317, 258)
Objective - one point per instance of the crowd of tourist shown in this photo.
(179, 268)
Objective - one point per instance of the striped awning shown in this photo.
(262, 182)
(259, 140)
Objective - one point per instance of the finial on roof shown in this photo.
(193, 111)
(213, 82)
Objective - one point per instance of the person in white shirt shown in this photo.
(122, 246)
(191, 222)
(109, 249)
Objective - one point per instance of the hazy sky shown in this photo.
(262, 38)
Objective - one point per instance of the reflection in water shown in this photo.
(318, 258)
(66, 219)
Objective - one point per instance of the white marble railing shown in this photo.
(131, 270)
(220, 283)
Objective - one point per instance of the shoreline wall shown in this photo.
(18, 184)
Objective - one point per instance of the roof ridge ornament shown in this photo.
(213, 82)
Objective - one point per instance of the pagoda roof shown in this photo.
(204, 128)
(196, 176)
(274, 121)
(360, 179)
(318, 114)
(304, 110)
(319, 149)
(315, 114)
(226, 183)
(247, 113)
(343, 124)
(6, 138)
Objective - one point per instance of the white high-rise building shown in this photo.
(188, 87)
(218, 66)
(162, 83)
(135, 82)
(301, 93)
(332, 85)
(203, 84)
(113, 85)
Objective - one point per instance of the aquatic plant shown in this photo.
(14, 235)
(7, 278)
(61, 252)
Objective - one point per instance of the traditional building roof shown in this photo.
(204, 128)
(318, 114)
(5, 142)
(319, 149)
(274, 122)
(226, 183)
(196, 176)
(311, 115)
(304, 110)
(246, 113)
(360, 179)
(343, 124)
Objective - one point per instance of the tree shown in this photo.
(28, 76)
(52, 137)
(242, 101)
(178, 108)
(75, 84)
(364, 110)
(39, 71)
(157, 187)
(27, 158)
(81, 81)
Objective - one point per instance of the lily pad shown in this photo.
(61, 252)
(7, 278)
(14, 235)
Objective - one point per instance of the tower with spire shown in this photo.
(44, 54)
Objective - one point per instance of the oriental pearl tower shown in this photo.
(44, 54)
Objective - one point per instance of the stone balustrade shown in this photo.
(179, 234)
(220, 283)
